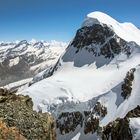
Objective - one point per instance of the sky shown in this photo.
(57, 19)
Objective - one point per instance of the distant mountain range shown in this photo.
(22, 60)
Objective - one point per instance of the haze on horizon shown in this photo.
(57, 20)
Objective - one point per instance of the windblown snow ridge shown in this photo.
(126, 31)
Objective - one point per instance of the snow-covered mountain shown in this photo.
(21, 60)
(93, 90)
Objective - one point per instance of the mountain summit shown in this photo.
(126, 31)
(92, 90)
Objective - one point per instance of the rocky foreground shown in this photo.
(18, 121)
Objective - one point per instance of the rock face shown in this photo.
(102, 35)
(9, 133)
(134, 113)
(70, 122)
(100, 42)
(127, 85)
(88, 120)
(117, 130)
(17, 111)
(120, 128)
(96, 33)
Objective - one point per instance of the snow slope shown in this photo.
(80, 78)
(135, 127)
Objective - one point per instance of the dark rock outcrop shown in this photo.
(117, 130)
(9, 133)
(68, 122)
(134, 113)
(100, 110)
(93, 34)
(127, 85)
(120, 129)
(89, 120)
(17, 111)
(102, 35)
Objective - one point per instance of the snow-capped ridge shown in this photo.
(98, 17)
(126, 30)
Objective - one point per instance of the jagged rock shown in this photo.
(117, 130)
(100, 109)
(9, 133)
(134, 113)
(98, 35)
(93, 34)
(68, 122)
(127, 85)
(91, 124)
(17, 111)
(3, 92)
